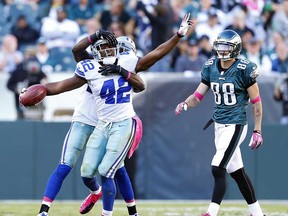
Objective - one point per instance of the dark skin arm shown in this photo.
(80, 53)
(75, 82)
(137, 83)
(69, 84)
(79, 50)
(155, 55)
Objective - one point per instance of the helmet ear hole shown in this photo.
(126, 44)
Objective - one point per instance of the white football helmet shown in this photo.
(126, 44)
(103, 52)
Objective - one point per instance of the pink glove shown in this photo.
(256, 139)
(181, 106)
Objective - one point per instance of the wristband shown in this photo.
(124, 73)
(179, 35)
(92, 38)
(198, 95)
(128, 76)
(257, 131)
(255, 100)
(185, 106)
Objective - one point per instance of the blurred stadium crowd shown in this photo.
(47, 29)
(36, 36)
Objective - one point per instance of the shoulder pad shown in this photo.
(128, 60)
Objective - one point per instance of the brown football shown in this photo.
(33, 95)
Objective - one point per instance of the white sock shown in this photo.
(96, 192)
(129, 204)
(47, 203)
(107, 213)
(255, 209)
(213, 209)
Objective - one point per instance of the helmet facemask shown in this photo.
(223, 51)
(103, 52)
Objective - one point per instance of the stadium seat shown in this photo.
(62, 59)
(23, 9)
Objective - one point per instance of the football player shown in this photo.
(79, 51)
(233, 83)
(83, 123)
(126, 44)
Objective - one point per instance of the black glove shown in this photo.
(140, 5)
(106, 35)
(114, 69)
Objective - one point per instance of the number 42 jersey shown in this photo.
(230, 89)
(112, 93)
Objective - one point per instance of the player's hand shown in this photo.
(106, 35)
(185, 25)
(22, 92)
(113, 69)
(181, 106)
(256, 140)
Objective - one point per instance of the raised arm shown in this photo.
(79, 49)
(69, 84)
(155, 55)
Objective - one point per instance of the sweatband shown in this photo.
(89, 39)
(180, 35)
(128, 76)
(255, 100)
(198, 95)
(92, 38)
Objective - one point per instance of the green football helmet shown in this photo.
(227, 45)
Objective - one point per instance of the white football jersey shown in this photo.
(112, 94)
(85, 110)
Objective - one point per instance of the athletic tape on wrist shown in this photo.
(198, 95)
(255, 100)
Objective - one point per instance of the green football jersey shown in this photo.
(230, 89)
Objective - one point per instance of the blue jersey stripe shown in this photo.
(79, 73)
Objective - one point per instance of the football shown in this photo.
(33, 95)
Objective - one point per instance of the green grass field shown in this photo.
(145, 208)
